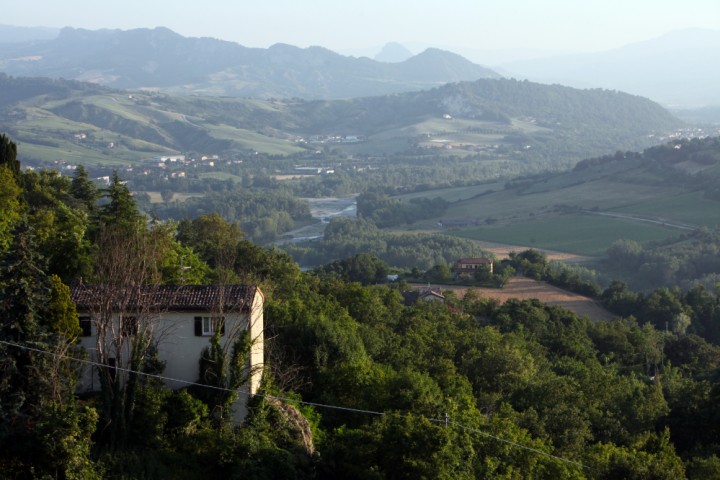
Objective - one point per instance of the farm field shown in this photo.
(694, 208)
(221, 176)
(253, 141)
(456, 194)
(578, 212)
(574, 233)
(156, 197)
(502, 250)
(602, 195)
(525, 288)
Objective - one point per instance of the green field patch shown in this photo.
(122, 106)
(528, 127)
(601, 195)
(439, 127)
(221, 176)
(253, 141)
(71, 154)
(49, 124)
(580, 234)
(599, 173)
(693, 208)
(156, 197)
(454, 194)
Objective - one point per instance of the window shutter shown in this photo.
(222, 326)
(198, 326)
(86, 327)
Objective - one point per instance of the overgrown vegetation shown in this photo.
(462, 389)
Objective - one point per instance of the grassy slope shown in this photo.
(581, 234)
(43, 125)
(494, 119)
(559, 212)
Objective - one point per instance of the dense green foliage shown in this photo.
(346, 237)
(384, 211)
(262, 214)
(685, 261)
(468, 388)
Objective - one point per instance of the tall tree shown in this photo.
(121, 209)
(24, 289)
(84, 190)
(10, 205)
(8, 155)
(43, 432)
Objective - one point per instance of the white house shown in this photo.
(180, 318)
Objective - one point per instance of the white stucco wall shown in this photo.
(180, 348)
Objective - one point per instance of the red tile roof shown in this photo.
(166, 297)
(474, 261)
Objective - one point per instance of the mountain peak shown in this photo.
(393, 52)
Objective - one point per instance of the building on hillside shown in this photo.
(181, 319)
(168, 158)
(469, 266)
(428, 294)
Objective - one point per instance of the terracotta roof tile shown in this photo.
(166, 297)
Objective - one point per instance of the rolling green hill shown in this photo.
(496, 120)
(661, 193)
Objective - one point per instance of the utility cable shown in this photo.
(445, 421)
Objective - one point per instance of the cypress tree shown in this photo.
(8, 155)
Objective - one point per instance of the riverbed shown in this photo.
(322, 211)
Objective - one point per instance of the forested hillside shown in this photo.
(357, 384)
(502, 125)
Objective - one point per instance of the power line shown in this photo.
(444, 421)
(514, 444)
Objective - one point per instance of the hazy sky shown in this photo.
(582, 25)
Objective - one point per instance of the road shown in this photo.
(654, 220)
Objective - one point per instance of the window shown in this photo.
(112, 368)
(85, 327)
(129, 326)
(207, 326)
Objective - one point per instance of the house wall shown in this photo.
(180, 348)
(257, 336)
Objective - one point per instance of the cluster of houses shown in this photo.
(322, 139)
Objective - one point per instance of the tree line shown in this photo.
(469, 388)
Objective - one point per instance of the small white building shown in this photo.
(180, 318)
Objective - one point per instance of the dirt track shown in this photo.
(525, 288)
(501, 250)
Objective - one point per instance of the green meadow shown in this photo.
(588, 235)
(560, 212)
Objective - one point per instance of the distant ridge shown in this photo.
(677, 69)
(12, 34)
(162, 59)
(393, 52)
(501, 117)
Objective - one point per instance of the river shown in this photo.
(322, 210)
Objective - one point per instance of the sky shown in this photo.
(343, 26)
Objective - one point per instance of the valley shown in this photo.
(220, 261)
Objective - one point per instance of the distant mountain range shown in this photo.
(163, 60)
(679, 69)
(676, 69)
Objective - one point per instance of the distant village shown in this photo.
(181, 166)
